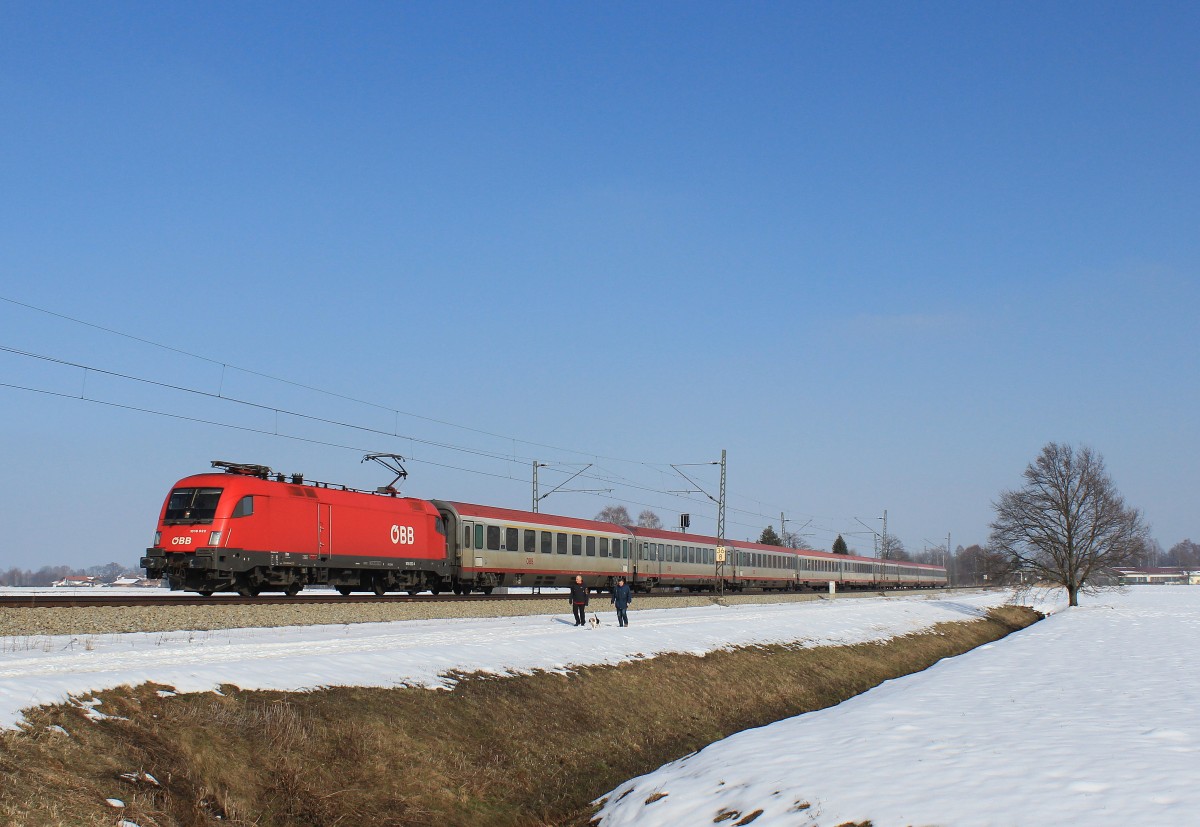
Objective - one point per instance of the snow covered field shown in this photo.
(1091, 717)
(45, 669)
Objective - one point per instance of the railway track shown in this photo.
(44, 601)
(51, 601)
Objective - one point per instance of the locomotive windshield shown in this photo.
(192, 505)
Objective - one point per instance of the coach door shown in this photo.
(324, 531)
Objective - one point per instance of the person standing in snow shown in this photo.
(621, 598)
(579, 600)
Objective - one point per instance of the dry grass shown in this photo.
(528, 750)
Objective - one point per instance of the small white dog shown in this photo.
(593, 621)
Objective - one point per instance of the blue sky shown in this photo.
(879, 252)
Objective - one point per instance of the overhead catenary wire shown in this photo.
(603, 475)
(225, 365)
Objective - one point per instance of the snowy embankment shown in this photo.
(1091, 717)
(40, 670)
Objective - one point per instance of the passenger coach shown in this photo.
(499, 546)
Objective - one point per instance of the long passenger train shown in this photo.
(250, 530)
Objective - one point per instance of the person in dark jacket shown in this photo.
(621, 598)
(579, 600)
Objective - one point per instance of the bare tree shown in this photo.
(615, 514)
(976, 565)
(891, 548)
(791, 539)
(648, 519)
(1067, 524)
(1184, 554)
(935, 556)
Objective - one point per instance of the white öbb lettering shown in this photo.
(181, 541)
(402, 535)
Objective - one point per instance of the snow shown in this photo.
(1089, 717)
(48, 669)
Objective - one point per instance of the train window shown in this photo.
(625, 549)
(244, 507)
(511, 539)
(576, 545)
(561, 540)
(547, 542)
(589, 546)
(478, 536)
(604, 547)
(466, 536)
(440, 525)
(530, 541)
(493, 538)
(192, 505)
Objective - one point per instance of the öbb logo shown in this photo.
(402, 535)
(181, 541)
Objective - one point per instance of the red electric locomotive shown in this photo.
(250, 530)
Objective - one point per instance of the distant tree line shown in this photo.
(47, 575)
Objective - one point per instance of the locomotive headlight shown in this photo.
(157, 538)
(214, 538)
